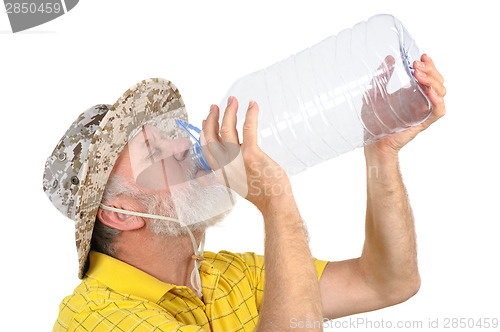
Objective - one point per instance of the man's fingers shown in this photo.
(427, 74)
(211, 129)
(426, 65)
(382, 77)
(439, 108)
(227, 130)
(426, 58)
(209, 138)
(438, 102)
(430, 81)
(250, 126)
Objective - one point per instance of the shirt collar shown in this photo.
(125, 278)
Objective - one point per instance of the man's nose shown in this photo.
(181, 148)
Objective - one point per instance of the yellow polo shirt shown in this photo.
(115, 296)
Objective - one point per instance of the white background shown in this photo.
(53, 72)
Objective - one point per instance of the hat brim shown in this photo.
(145, 100)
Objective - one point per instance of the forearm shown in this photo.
(389, 258)
(291, 288)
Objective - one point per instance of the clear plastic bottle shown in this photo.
(347, 91)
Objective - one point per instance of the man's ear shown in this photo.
(120, 221)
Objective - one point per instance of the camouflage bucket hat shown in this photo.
(78, 169)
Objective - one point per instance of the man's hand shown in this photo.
(253, 175)
(291, 288)
(387, 271)
(427, 75)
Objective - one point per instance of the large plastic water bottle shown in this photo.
(345, 92)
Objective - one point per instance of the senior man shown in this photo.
(126, 175)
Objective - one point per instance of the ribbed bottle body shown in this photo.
(347, 91)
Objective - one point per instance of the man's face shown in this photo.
(162, 171)
(160, 163)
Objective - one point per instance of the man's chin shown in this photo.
(197, 207)
(166, 228)
(203, 225)
(206, 179)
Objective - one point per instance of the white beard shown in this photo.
(197, 206)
